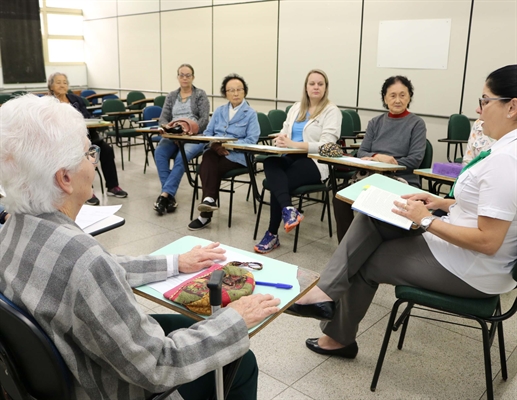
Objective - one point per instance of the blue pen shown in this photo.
(276, 285)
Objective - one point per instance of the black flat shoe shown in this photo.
(349, 351)
(324, 311)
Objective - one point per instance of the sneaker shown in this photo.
(117, 192)
(94, 201)
(160, 206)
(291, 218)
(197, 224)
(207, 206)
(171, 204)
(268, 243)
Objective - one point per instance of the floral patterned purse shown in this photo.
(194, 293)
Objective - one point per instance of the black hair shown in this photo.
(503, 82)
(228, 78)
(392, 80)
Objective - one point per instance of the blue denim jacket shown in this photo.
(244, 126)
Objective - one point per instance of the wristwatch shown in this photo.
(425, 223)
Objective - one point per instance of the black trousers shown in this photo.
(284, 174)
(107, 159)
(244, 385)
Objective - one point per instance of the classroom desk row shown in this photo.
(250, 150)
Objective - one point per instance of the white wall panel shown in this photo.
(101, 53)
(126, 7)
(222, 2)
(139, 41)
(493, 44)
(93, 9)
(245, 42)
(180, 4)
(436, 91)
(323, 35)
(187, 43)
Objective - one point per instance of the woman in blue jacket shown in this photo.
(237, 120)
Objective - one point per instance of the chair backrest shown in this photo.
(287, 109)
(19, 93)
(30, 362)
(458, 127)
(110, 97)
(347, 124)
(427, 161)
(86, 101)
(159, 101)
(89, 92)
(112, 105)
(134, 96)
(4, 97)
(355, 118)
(151, 112)
(265, 126)
(277, 119)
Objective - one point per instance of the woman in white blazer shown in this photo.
(310, 123)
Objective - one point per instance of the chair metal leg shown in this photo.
(488, 361)
(385, 343)
(261, 201)
(231, 203)
(297, 229)
(327, 204)
(194, 196)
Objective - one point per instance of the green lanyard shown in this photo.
(477, 159)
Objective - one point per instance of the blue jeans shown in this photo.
(167, 149)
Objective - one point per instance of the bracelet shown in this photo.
(3, 214)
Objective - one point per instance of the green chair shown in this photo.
(118, 115)
(487, 312)
(302, 193)
(136, 101)
(265, 131)
(277, 119)
(458, 132)
(159, 101)
(19, 93)
(4, 97)
(287, 109)
(356, 119)
(347, 129)
(427, 161)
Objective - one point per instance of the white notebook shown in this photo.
(378, 203)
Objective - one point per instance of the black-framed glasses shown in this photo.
(235, 90)
(483, 101)
(185, 75)
(93, 154)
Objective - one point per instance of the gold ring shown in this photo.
(405, 207)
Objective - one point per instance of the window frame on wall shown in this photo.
(44, 11)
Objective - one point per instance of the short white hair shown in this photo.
(38, 137)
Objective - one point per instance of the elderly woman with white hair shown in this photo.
(57, 84)
(81, 295)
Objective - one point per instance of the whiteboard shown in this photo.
(419, 44)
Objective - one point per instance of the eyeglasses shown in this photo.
(234, 90)
(93, 154)
(483, 101)
(184, 75)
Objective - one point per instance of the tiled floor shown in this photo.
(438, 361)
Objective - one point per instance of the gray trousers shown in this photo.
(373, 252)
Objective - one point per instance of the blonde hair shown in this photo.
(306, 103)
